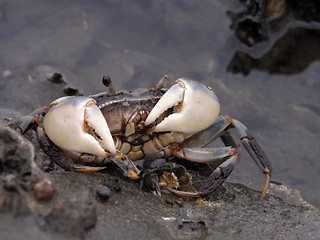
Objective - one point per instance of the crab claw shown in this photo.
(197, 107)
(77, 124)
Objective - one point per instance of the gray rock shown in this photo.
(74, 211)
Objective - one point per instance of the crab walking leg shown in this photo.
(220, 128)
(255, 151)
(209, 155)
(222, 172)
(203, 138)
(86, 158)
(60, 158)
(214, 181)
(31, 121)
(228, 140)
(203, 155)
(219, 175)
(124, 164)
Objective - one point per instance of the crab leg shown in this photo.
(60, 158)
(31, 121)
(203, 155)
(64, 160)
(214, 181)
(255, 151)
(203, 138)
(86, 158)
(126, 166)
(221, 129)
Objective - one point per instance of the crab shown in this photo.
(85, 133)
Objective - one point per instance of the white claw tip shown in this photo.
(197, 107)
(65, 126)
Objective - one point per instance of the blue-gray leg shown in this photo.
(255, 151)
(31, 121)
(192, 149)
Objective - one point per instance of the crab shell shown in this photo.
(77, 124)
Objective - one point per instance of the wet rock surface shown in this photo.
(18, 172)
(233, 212)
(273, 43)
(68, 205)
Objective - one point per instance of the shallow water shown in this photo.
(264, 70)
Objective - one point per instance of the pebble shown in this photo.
(6, 73)
(43, 190)
(103, 192)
